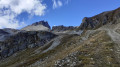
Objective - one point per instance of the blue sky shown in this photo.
(66, 12)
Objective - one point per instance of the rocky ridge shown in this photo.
(62, 28)
(108, 17)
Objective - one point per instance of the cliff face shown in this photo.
(24, 40)
(97, 21)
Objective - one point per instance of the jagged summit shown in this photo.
(44, 23)
(41, 25)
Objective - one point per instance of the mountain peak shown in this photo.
(44, 23)
(41, 25)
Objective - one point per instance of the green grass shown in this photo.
(100, 51)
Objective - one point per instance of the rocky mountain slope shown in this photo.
(24, 40)
(95, 43)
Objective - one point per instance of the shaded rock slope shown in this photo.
(24, 40)
(96, 43)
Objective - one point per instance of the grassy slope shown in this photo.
(99, 47)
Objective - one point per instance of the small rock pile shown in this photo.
(70, 61)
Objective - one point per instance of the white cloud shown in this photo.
(10, 9)
(57, 3)
(54, 4)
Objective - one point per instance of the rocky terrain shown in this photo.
(95, 43)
